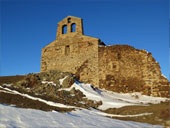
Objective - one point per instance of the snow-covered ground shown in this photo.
(12, 117)
(113, 99)
(109, 99)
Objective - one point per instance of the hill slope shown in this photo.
(59, 91)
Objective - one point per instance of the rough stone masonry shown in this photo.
(119, 68)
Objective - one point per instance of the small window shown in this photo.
(118, 56)
(67, 50)
(69, 20)
(114, 66)
(64, 29)
(73, 27)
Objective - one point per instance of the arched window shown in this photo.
(73, 27)
(64, 29)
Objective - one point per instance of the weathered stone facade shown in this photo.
(119, 68)
(123, 68)
(72, 52)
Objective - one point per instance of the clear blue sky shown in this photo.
(29, 25)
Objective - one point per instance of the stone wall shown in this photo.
(123, 68)
(78, 56)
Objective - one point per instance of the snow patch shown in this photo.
(164, 76)
(145, 50)
(61, 80)
(112, 99)
(48, 82)
(7, 85)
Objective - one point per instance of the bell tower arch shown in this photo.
(72, 24)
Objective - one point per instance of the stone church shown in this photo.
(119, 68)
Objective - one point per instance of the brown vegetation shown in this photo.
(10, 79)
(23, 102)
(160, 113)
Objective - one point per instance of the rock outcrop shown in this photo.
(51, 86)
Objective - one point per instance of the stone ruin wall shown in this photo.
(123, 68)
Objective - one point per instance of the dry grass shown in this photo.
(160, 113)
(10, 79)
(23, 102)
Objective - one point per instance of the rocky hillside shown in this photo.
(60, 91)
(49, 86)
